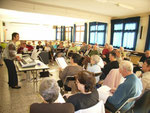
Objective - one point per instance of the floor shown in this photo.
(19, 100)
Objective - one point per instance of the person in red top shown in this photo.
(29, 46)
(105, 50)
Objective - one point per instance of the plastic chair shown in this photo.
(98, 108)
(132, 99)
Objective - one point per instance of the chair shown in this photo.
(69, 84)
(112, 109)
(142, 105)
(132, 99)
(44, 57)
(98, 108)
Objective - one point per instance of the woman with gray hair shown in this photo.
(49, 91)
(94, 66)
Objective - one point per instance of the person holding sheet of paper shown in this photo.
(72, 69)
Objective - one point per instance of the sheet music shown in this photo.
(61, 62)
(104, 93)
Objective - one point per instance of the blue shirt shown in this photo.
(131, 87)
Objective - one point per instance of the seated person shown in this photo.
(118, 55)
(60, 48)
(143, 58)
(94, 67)
(88, 50)
(123, 54)
(113, 64)
(94, 51)
(131, 87)
(106, 56)
(105, 50)
(72, 69)
(49, 91)
(39, 46)
(88, 95)
(146, 75)
(146, 56)
(29, 46)
(83, 48)
(72, 49)
(21, 49)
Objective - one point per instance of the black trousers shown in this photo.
(12, 74)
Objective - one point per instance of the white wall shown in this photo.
(140, 46)
(30, 31)
(45, 9)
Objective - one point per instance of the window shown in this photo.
(124, 33)
(97, 33)
(58, 33)
(68, 33)
(79, 37)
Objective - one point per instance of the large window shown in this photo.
(58, 33)
(79, 37)
(124, 33)
(97, 33)
(68, 33)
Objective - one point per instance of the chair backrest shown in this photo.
(113, 79)
(44, 57)
(128, 101)
(98, 108)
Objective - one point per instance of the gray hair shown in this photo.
(49, 90)
(95, 58)
(127, 65)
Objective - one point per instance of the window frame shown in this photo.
(79, 31)
(96, 31)
(135, 20)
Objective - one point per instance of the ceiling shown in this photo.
(112, 8)
(109, 8)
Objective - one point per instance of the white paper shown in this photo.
(61, 62)
(104, 93)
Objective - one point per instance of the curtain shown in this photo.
(74, 33)
(85, 32)
(56, 33)
(71, 34)
(147, 44)
(62, 38)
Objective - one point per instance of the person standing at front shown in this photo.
(9, 55)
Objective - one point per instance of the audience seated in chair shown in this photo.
(83, 48)
(113, 79)
(72, 49)
(29, 46)
(88, 95)
(106, 56)
(146, 75)
(105, 50)
(94, 67)
(70, 70)
(113, 64)
(143, 58)
(94, 51)
(49, 91)
(39, 46)
(131, 87)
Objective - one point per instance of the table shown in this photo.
(40, 66)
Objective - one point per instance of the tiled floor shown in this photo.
(19, 100)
